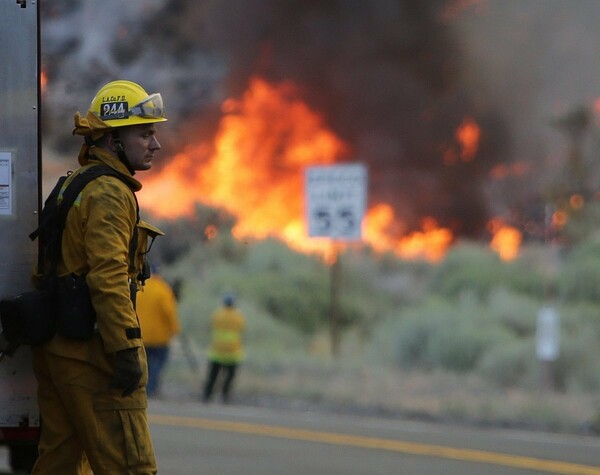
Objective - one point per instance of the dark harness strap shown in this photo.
(54, 217)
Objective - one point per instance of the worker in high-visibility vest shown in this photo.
(226, 350)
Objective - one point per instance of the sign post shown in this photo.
(335, 202)
(547, 346)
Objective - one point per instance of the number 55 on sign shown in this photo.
(335, 201)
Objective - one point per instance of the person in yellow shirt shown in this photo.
(157, 310)
(226, 350)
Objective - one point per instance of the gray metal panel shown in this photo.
(19, 191)
(19, 141)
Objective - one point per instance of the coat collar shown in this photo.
(98, 154)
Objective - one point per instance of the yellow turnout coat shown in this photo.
(80, 412)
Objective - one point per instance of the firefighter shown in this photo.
(91, 391)
(226, 350)
(157, 311)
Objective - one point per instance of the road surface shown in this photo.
(195, 439)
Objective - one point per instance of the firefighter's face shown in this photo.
(140, 143)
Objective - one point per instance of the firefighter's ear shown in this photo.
(114, 143)
(118, 146)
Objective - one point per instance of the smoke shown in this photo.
(393, 78)
(385, 75)
(539, 68)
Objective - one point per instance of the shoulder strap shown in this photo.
(46, 216)
(78, 184)
(52, 222)
(46, 230)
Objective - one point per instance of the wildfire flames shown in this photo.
(506, 240)
(430, 243)
(255, 167)
(255, 170)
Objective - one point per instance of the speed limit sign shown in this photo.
(335, 200)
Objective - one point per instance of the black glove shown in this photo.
(128, 371)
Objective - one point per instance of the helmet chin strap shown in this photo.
(125, 160)
(121, 152)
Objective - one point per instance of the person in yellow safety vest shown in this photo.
(91, 390)
(157, 310)
(226, 350)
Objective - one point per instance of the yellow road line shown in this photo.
(482, 456)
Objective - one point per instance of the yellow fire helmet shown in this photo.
(122, 103)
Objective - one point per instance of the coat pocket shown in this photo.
(30, 317)
(138, 443)
(76, 314)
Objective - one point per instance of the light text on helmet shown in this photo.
(113, 98)
(114, 110)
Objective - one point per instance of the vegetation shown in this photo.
(469, 320)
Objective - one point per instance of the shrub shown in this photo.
(478, 270)
(301, 302)
(291, 287)
(579, 278)
(268, 341)
(511, 364)
(443, 334)
(526, 274)
(184, 235)
(515, 312)
(580, 351)
(459, 346)
(470, 313)
(467, 268)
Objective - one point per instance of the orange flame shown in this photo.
(211, 232)
(431, 243)
(255, 169)
(43, 80)
(559, 219)
(577, 201)
(506, 239)
(467, 135)
(516, 169)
